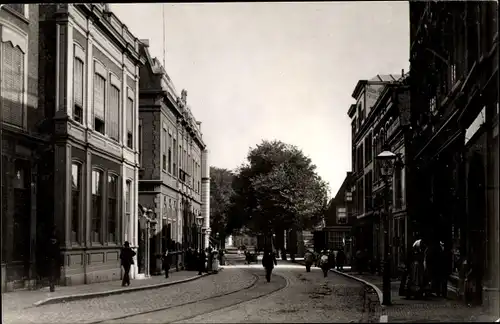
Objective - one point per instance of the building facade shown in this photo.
(174, 178)
(22, 143)
(454, 114)
(91, 110)
(391, 133)
(339, 220)
(367, 228)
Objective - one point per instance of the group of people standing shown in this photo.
(425, 271)
(207, 260)
(326, 260)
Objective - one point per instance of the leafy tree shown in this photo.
(277, 189)
(220, 199)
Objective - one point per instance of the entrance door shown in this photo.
(21, 231)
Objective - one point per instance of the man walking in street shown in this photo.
(269, 261)
(166, 260)
(127, 259)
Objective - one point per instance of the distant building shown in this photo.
(174, 174)
(338, 218)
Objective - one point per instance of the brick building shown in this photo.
(339, 220)
(366, 94)
(454, 112)
(174, 177)
(390, 132)
(21, 142)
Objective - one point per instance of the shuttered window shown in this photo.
(99, 100)
(113, 111)
(78, 90)
(12, 84)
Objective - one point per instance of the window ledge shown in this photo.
(17, 14)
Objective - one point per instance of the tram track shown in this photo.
(205, 307)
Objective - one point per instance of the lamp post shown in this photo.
(199, 222)
(386, 161)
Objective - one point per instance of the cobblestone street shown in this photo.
(105, 308)
(308, 297)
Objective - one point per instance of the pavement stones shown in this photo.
(105, 308)
(29, 298)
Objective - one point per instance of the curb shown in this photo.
(67, 298)
(377, 290)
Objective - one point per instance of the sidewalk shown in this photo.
(31, 298)
(433, 309)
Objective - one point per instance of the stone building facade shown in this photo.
(22, 143)
(91, 110)
(367, 225)
(454, 114)
(174, 167)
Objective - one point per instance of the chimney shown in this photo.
(402, 72)
(145, 42)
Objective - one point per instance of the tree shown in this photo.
(278, 189)
(220, 199)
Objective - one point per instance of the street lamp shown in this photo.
(199, 222)
(386, 161)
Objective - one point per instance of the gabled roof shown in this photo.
(378, 79)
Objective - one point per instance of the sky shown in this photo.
(283, 71)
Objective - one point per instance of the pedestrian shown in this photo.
(268, 262)
(54, 258)
(331, 260)
(166, 262)
(221, 257)
(340, 260)
(127, 259)
(201, 262)
(308, 259)
(359, 261)
(324, 264)
(209, 259)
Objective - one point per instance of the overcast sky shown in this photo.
(282, 71)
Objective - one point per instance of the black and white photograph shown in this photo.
(250, 162)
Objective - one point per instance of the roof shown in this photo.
(379, 78)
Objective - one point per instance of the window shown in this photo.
(335, 240)
(128, 204)
(96, 206)
(453, 75)
(76, 177)
(113, 113)
(348, 196)
(99, 103)
(398, 192)
(174, 145)
(19, 8)
(169, 153)
(341, 215)
(360, 197)
(112, 207)
(368, 148)
(140, 142)
(164, 151)
(368, 191)
(130, 123)
(12, 84)
(78, 90)
(359, 158)
(180, 159)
